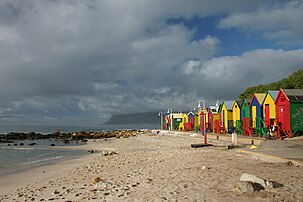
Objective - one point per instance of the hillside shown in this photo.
(135, 118)
(293, 81)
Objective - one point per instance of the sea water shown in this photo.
(22, 157)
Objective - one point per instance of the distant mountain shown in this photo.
(293, 81)
(135, 118)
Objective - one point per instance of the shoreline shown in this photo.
(155, 168)
(19, 179)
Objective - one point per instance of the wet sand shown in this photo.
(153, 168)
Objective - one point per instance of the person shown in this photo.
(273, 131)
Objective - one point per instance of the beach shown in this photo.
(152, 167)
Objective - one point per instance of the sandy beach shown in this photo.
(152, 167)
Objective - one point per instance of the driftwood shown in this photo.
(201, 145)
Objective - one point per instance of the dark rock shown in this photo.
(232, 146)
(21, 144)
(9, 145)
(32, 144)
(52, 145)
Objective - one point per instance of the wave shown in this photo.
(40, 160)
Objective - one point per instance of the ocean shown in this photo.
(16, 157)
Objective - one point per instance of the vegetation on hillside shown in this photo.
(293, 81)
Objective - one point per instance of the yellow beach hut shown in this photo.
(183, 121)
(236, 110)
(198, 118)
(226, 115)
(269, 108)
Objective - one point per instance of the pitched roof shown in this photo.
(177, 115)
(190, 113)
(260, 97)
(239, 102)
(294, 94)
(273, 94)
(245, 101)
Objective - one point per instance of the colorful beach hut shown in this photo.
(183, 121)
(256, 109)
(269, 108)
(191, 118)
(197, 119)
(289, 107)
(209, 120)
(236, 110)
(226, 118)
(177, 119)
(245, 117)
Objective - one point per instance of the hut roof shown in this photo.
(177, 115)
(260, 98)
(294, 94)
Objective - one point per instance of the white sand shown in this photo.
(152, 168)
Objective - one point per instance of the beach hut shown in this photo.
(197, 120)
(183, 122)
(177, 119)
(189, 126)
(209, 125)
(226, 118)
(214, 118)
(203, 119)
(256, 109)
(257, 127)
(245, 117)
(236, 110)
(216, 122)
(269, 108)
(289, 108)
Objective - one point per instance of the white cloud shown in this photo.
(229, 76)
(281, 22)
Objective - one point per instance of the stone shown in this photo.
(96, 180)
(252, 178)
(289, 163)
(56, 192)
(52, 145)
(245, 186)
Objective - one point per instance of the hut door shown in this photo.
(253, 115)
(191, 119)
(267, 115)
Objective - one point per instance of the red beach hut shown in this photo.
(289, 109)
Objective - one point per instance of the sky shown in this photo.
(77, 62)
